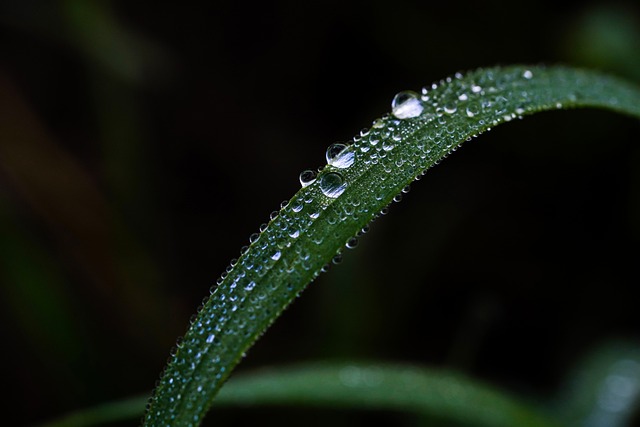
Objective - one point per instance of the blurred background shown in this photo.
(141, 145)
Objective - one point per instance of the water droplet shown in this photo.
(337, 259)
(254, 237)
(378, 123)
(527, 74)
(364, 230)
(210, 338)
(250, 286)
(450, 109)
(276, 256)
(339, 156)
(406, 105)
(476, 89)
(332, 185)
(352, 243)
(463, 97)
(307, 177)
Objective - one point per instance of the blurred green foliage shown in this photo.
(140, 146)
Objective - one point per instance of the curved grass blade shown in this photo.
(347, 194)
(383, 387)
(378, 387)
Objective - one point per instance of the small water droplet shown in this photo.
(307, 177)
(352, 243)
(378, 123)
(339, 156)
(406, 105)
(337, 259)
(450, 109)
(276, 256)
(476, 89)
(332, 185)
(250, 286)
(210, 338)
(527, 74)
(254, 237)
(463, 97)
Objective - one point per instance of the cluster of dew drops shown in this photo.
(474, 98)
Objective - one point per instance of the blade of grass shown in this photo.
(354, 386)
(347, 194)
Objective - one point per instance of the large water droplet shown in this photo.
(527, 74)
(307, 177)
(332, 185)
(406, 105)
(339, 156)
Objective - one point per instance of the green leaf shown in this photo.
(355, 386)
(323, 216)
(383, 387)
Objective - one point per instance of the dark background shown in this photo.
(141, 144)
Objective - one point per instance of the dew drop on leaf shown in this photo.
(406, 105)
(339, 156)
(352, 243)
(307, 177)
(332, 185)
